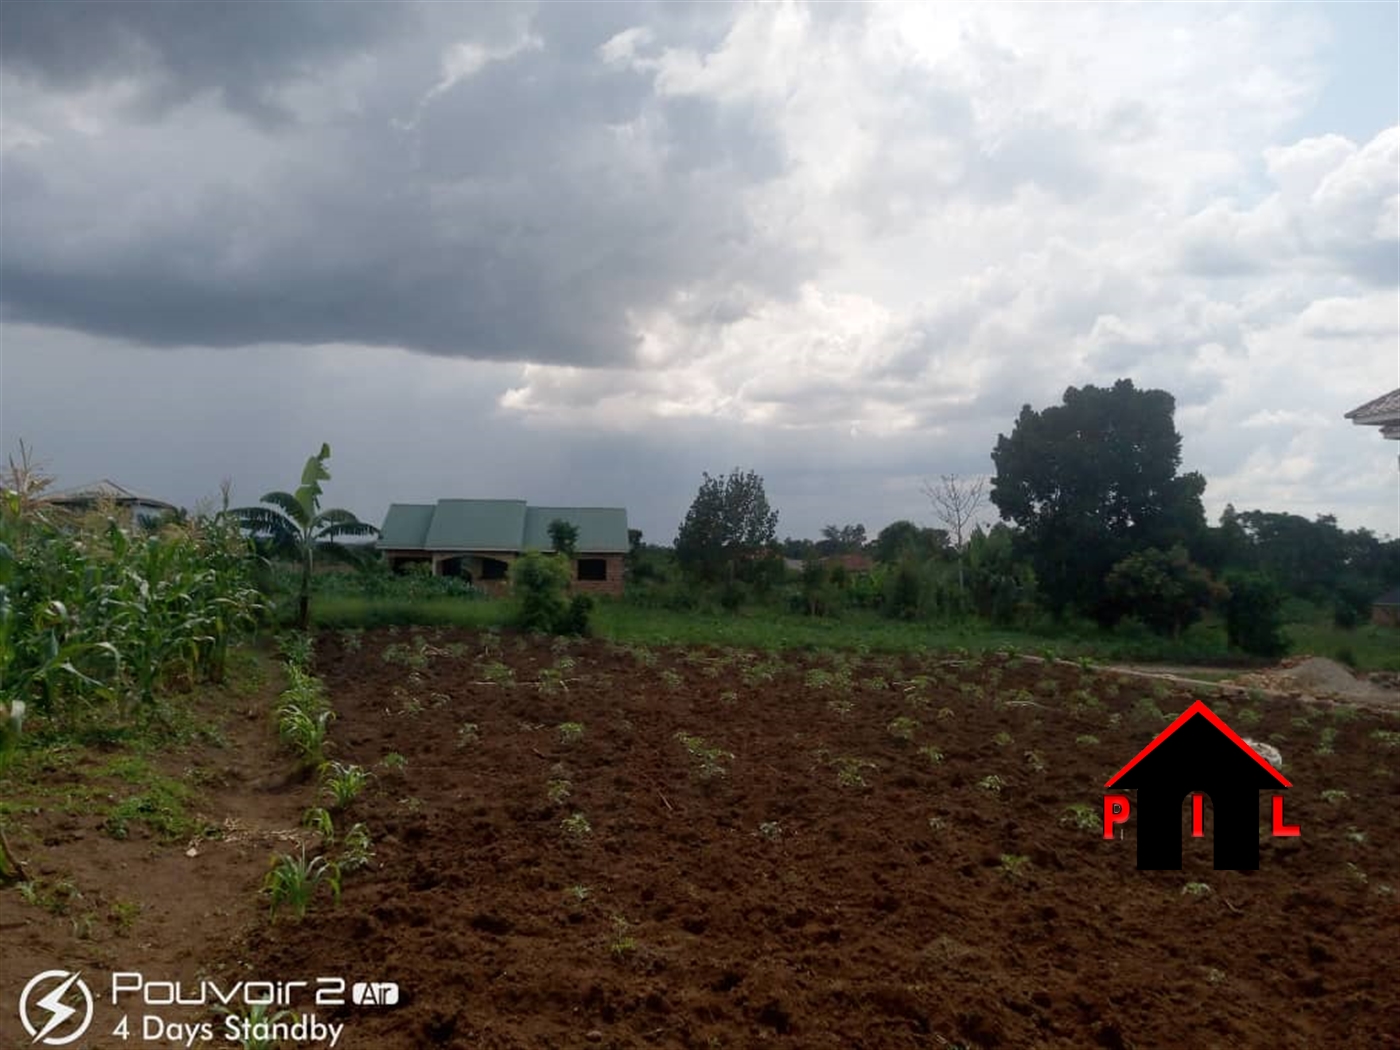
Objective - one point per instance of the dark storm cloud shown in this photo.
(241, 50)
(516, 209)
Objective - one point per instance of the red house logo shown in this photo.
(1197, 754)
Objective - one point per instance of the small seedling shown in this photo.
(576, 826)
(709, 761)
(992, 783)
(771, 830)
(394, 762)
(840, 706)
(622, 943)
(671, 679)
(570, 732)
(1082, 816)
(1336, 796)
(1013, 866)
(1087, 740)
(729, 697)
(468, 733)
(1196, 889)
(1036, 761)
(1387, 738)
(551, 681)
(903, 728)
(124, 914)
(558, 791)
(1002, 739)
(850, 772)
(497, 673)
(931, 753)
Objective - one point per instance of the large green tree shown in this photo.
(1091, 481)
(901, 539)
(295, 526)
(729, 522)
(1166, 590)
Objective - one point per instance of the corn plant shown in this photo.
(355, 851)
(343, 782)
(93, 613)
(292, 882)
(304, 731)
(318, 819)
(250, 1025)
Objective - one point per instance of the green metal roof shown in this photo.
(601, 530)
(499, 525)
(477, 524)
(406, 526)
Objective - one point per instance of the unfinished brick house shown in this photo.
(479, 538)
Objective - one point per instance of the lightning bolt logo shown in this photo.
(52, 1004)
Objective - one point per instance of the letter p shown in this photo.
(1115, 811)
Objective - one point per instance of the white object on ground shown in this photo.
(1267, 752)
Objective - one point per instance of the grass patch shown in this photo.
(160, 807)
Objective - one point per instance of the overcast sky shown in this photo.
(579, 253)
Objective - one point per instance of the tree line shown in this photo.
(1096, 520)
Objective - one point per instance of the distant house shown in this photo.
(854, 564)
(479, 538)
(140, 509)
(1385, 610)
(1383, 412)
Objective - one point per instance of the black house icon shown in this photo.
(1198, 753)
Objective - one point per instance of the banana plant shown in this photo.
(295, 525)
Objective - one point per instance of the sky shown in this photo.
(582, 253)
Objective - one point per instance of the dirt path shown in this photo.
(100, 903)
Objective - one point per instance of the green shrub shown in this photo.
(540, 583)
(1253, 616)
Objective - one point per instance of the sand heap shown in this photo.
(1318, 677)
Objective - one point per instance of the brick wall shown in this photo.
(611, 585)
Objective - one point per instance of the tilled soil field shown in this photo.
(730, 849)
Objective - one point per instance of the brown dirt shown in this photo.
(854, 922)
(769, 906)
